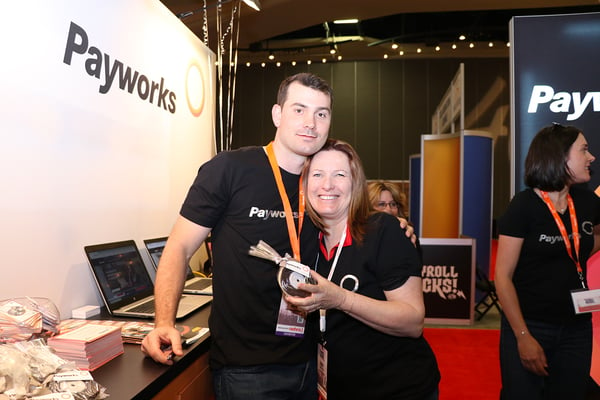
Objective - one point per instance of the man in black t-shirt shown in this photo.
(235, 198)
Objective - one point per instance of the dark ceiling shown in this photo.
(299, 30)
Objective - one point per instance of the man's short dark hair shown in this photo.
(306, 79)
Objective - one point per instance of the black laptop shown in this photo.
(124, 283)
(193, 284)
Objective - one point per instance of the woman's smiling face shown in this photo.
(579, 160)
(329, 184)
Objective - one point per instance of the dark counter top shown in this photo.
(132, 375)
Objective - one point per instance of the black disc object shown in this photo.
(289, 280)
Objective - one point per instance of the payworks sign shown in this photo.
(115, 74)
(554, 61)
(563, 102)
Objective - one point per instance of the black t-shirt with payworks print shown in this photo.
(236, 195)
(545, 274)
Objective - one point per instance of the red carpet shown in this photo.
(468, 362)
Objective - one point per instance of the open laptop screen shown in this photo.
(155, 249)
(120, 272)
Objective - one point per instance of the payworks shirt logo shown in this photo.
(265, 214)
(114, 73)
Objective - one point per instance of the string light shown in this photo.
(336, 55)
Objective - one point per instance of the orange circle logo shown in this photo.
(194, 89)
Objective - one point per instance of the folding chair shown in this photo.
(489, 299)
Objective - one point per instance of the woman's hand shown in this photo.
(532, 355)
(323, 296)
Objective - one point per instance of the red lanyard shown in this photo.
(289, 216)
(563, 230)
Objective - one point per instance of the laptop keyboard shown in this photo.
(199, 285)
(145, 308)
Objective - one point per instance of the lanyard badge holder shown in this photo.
(322, 353)
(584, 300)
(291, 273)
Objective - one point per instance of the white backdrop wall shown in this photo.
(107, 111)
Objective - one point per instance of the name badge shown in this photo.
(586, 301)
(322, 371)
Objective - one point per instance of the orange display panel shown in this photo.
(441, 186)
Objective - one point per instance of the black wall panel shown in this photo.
(383, 108)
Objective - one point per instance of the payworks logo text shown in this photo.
(112, 71)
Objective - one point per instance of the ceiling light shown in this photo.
(262, 64)
(462, 37)
(323, 60)
(507, 44)
(394, 46)
(471, 45)
(248, 64)
(419, 50)
(293, 63)
(453, 46)
(385, 56)
(339, 57)
(491, 44)
(253, 4)
(346, 21)
(437, 48)
(401, 52)
(278, 63)
(332, 49)
(271, 56)
(309, 62)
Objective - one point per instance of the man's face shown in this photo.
(304, 119)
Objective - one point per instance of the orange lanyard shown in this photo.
(563, 230)
(289, 216)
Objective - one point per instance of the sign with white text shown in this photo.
(554, 76)
(448, 276)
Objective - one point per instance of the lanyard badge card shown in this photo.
(291, 273)
(586, 300)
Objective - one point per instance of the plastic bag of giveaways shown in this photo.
(24, 318)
